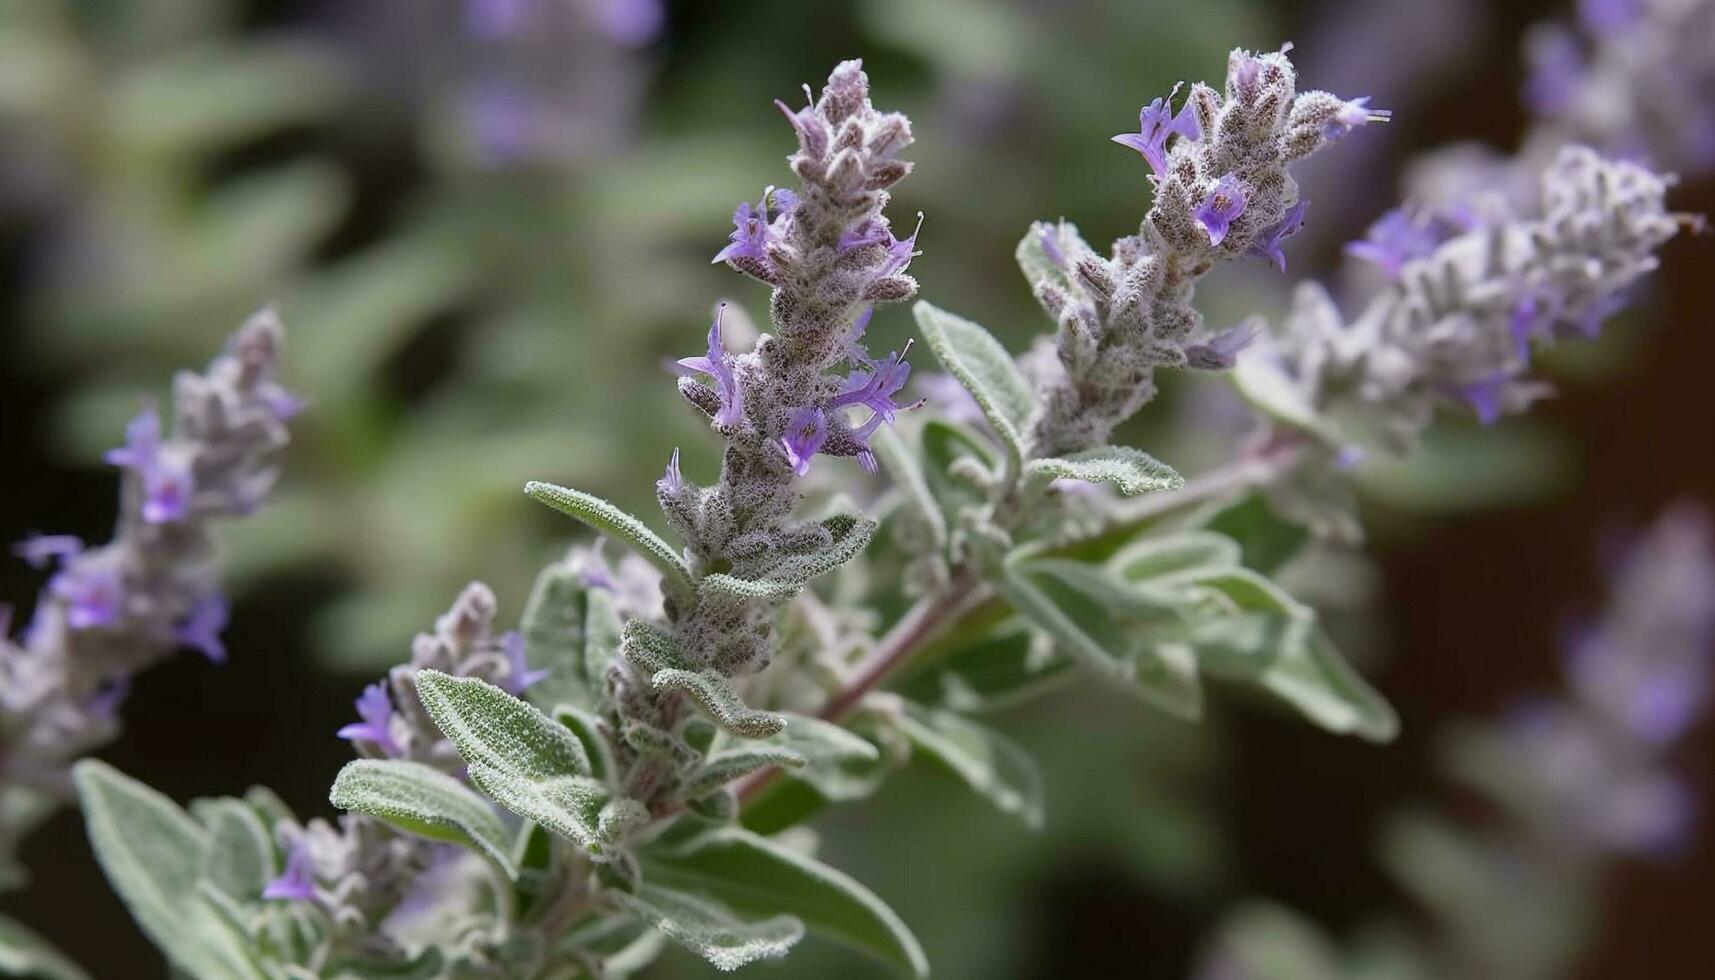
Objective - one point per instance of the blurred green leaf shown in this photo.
(989, 763)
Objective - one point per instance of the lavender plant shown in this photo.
(641, 782)
(1580, 782)
(112, 611)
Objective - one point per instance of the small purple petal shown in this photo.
(202, 627)
(804, 437)
(1268, 244)
(717, 364)
(93, 596)
(41, 549)
(376, 709)
(1223, 204)
(519, 676)
(297, 882)
(1394, 240)
(672, 482)
(142, 441)
(632, 23)
(1155, 123)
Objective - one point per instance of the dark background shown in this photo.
(1470, 602)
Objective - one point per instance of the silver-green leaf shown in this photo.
(422, 800)
(1130, 471)
(993, 766)
(608, 519)
(491, 727)
(710, 930)
(25, 954)
(756, 876)
(979, 362)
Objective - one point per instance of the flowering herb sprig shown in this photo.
(654, 725)
(111, 611)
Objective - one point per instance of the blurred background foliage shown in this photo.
(486, 245)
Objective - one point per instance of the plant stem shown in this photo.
(919, 624)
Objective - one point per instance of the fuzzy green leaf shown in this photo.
(1268, 540)
(708, 929)
(608, 519)
(422, 800)
(972, 355)
(1158, 557)
(573, 633)
(570, 806)
(1131, 471)
(993, 766)
(650, 647)
(720, 586)
(241, 857)
(718, 700)
(153, 853)
(491, 727)
(906, 474)
(25, 954)
(725, 766)
(587, 728)
(1033, 258)
(1005, 666)
(756, 876)
(1121, 634)
(849, 533)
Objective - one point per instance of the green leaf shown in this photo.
(570, 806)
(1111, 628)
(720, 586)
(422, 800)
(717, 698)
(1321, 684)
(1159, 557)
(1267, 942)
(1000, 668)
(1267, 540)
(623, 944)
(725, 766)
(901, 464)
(153, 853)
(608, 519)
(1131, 471)
(650, 647)
(1033, 258)
(849, 534)
(587, 727)
(25, 954)
(497, 730)
(241, 857)
(756, 876)
(991, 765)
(972, 355)
(710, 930)
(572, 632)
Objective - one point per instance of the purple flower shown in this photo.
(753, 231)
(1395, 239)
(1222, 350)
(283, 404)
(142, 442)
(1589, 326)
(717, 364)
(1268, 243)
(1155, 123)
(376, 710)
(804, 437)
(298, 881)
(875, 384)
(503, 122)
(167, 481)
(519, 676)
(672, 482)
(1224, 203)
(900, 251)
(870, 232)
(1485, 397)
(1354, 113)
(40, 549)
(93, 595)
(201, 628)
(1051, 248)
